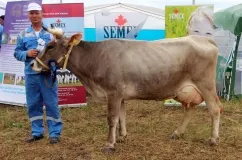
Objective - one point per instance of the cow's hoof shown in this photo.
(122, 139)
(108, 150)
(213, 141)
(174, 136)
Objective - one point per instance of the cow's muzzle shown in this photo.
(35, 66)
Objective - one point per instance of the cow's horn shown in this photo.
(55, 31)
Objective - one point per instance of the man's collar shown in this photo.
(30, 28)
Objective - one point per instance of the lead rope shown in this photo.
(53, 67)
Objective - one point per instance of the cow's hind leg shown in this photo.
(122, 124)
(186, 119)
(114, 103)
(214, 105)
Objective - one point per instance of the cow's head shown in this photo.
(57, 50)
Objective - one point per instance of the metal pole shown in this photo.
(60, 1)
(234, 66)
(193, 2)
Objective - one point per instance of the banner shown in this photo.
(12, 90)
(70, 18)
(181, 21)
(118, 25)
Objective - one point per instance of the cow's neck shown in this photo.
(83, 62)
(81, 58)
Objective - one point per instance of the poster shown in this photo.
(70, 18)
(118, 25)
(12, 90)
(181, 21)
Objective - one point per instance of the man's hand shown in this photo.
(32, 53)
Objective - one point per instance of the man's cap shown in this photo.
(34, 7)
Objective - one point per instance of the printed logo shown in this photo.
(176, 15)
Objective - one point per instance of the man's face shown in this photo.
(35, 17)
(1, 21)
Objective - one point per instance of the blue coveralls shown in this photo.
(1, 33)
(37, 92)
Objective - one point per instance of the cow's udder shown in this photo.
(189, 96)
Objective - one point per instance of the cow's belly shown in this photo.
(185, 93)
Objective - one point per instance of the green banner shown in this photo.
(186, 20)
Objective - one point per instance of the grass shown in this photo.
(149, 125)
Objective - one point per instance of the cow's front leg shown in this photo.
(182, 127)
(122, 124)
(114, 104)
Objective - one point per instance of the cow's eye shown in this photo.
(50, 47)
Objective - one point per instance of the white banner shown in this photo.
(118, 25)
(12, 90)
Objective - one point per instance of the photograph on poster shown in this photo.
(67, 78)
(9, 78)
(19, 80)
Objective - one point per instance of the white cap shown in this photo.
(34, 7)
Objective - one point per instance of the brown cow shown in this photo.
(116, 70)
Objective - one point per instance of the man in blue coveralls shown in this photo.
(29, 44)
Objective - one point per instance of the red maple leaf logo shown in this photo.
(176, 11)
(121, 20)
(58, 21)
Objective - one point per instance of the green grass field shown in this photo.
(149, 125)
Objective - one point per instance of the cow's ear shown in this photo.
(75, 39)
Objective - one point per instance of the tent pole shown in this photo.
(234, 66)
